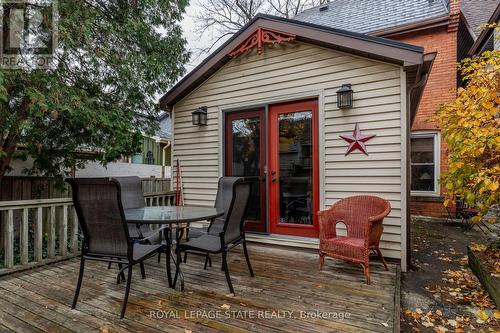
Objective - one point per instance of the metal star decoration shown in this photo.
(356, 140)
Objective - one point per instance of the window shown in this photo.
(424, 163)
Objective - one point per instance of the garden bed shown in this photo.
(485, 263)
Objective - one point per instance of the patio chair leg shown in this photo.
(79, 283)
(177, 267)
(206, 261)
(245, 250)
(109, 265)
(121, 275)
(226, 271)
(185, 256)
(159, 257)
(366, 270)
(485, 225)
(321, 260)
(169, 272)
(379, 253)
(127, 290)
(143, 271)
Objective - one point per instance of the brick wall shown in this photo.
(441, 87)
(428, 207)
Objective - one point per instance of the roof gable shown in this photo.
(367, 46)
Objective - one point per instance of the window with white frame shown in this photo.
(424, 163)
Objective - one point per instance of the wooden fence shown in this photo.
(46, 231)
(28, 188)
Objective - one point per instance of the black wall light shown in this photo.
(199, 116)
(344, 96)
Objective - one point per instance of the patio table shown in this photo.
(172, 216)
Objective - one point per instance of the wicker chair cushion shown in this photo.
(345, 246)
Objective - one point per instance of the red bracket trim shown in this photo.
(260, 37)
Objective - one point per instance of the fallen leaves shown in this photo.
(452, 322)
(460, 287)
(478, 247)
(466, 289)
(482, 316)
(440, 329)
(438, 322)
(459, 303)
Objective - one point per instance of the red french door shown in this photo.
(293, 168)
(245, 155)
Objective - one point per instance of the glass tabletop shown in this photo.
(171, 214)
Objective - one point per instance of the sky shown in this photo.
(194, 42)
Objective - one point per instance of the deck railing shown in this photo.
(37, 232)
(166, 198)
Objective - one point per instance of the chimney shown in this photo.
(454, 15)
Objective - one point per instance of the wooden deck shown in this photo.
(287, 295)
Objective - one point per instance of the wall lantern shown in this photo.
(344, 96)
(199, 116)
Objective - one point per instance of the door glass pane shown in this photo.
(246, 157)
(295, 167)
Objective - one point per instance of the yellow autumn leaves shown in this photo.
(471, 128)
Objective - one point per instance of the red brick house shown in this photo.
(448, 27)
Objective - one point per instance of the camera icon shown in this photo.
(28, 34)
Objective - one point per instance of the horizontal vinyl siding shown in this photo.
(296, 68)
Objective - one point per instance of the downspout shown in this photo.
(164, 159)
(422, 79)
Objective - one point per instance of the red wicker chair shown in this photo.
(362, 216)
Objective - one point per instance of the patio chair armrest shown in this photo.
(328, 223)
(380, 217)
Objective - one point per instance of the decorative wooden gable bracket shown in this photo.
(259, 37)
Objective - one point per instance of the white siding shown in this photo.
(304, 70)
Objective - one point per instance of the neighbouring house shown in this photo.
(153, 160)
(447, 27)
(488, 39)
(266, 103)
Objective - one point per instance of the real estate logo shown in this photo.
(29, 33)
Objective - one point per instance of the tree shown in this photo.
(223, 18)
(111, 60)
(471, 127)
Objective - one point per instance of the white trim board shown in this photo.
(284, 240)
(308, 243)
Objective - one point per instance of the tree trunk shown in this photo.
(10, 143)
(5, 162)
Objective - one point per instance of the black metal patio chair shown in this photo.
(464, 213)
(233, 231)
(106, 235)
(222, 202)
(133, 197)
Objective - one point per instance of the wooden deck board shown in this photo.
(39, 300)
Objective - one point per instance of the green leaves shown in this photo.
(471, 128)
(113, 59)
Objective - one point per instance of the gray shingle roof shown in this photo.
(478, 12)
(367, 16)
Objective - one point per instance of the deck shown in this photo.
(288, 294)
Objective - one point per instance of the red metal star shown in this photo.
(356, 140)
